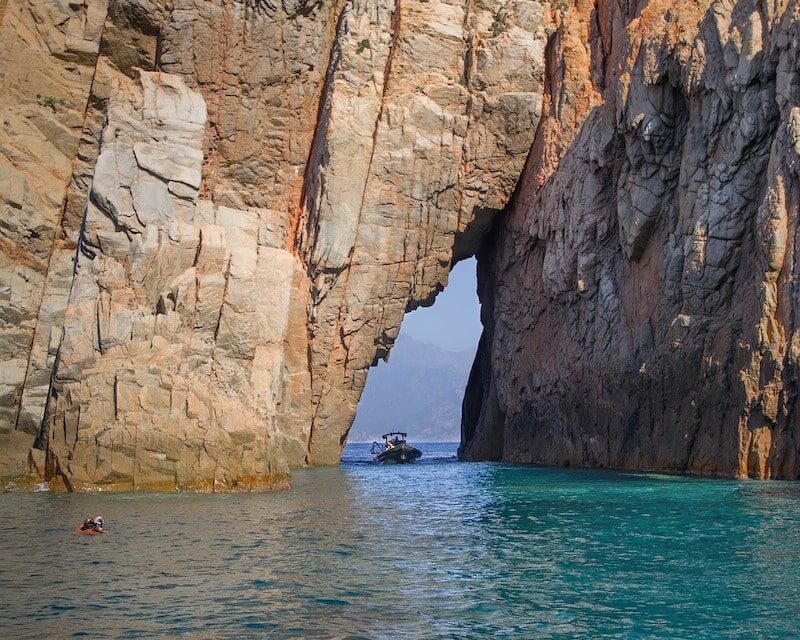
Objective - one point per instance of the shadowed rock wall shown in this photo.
(640, 295)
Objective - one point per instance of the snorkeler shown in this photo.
(91, 526)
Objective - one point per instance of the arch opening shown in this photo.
(421, 387)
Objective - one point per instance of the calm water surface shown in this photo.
(440, 549)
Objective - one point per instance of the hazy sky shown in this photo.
(453, 322)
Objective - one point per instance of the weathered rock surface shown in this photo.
(48, 60)
(215, 216)
(640, 296)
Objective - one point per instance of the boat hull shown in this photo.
(401, 454)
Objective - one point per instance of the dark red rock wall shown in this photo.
(640, 292)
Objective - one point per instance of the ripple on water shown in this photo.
(437, 549)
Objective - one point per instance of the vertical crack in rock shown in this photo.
(43, 355)
(325, 280)
(312, 177)
(239, 270)
(313, 184)
(46, 92)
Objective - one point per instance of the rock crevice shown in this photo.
(215, 216)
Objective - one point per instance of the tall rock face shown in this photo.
(640, 295)
(215, 215)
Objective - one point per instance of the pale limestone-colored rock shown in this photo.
(12, 186)
(42, 114)
(254, 223)
(156, 266)
(170, 163)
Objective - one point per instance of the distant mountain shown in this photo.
(419, 391)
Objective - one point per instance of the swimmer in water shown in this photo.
(89, 525)
(92, 525)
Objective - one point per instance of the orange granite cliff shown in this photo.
(216, 214)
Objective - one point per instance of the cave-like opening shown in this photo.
(421, 387)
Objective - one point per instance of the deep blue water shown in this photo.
(440, 549)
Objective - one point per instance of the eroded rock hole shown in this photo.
(421, 388)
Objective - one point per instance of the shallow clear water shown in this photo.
(439, 549)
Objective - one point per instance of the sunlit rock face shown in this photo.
(640, 296)
(215, 214)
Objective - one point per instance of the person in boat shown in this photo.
(98, 524)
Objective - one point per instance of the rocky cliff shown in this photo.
(640, 296)
(215, 215)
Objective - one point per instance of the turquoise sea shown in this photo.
(440, 549)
